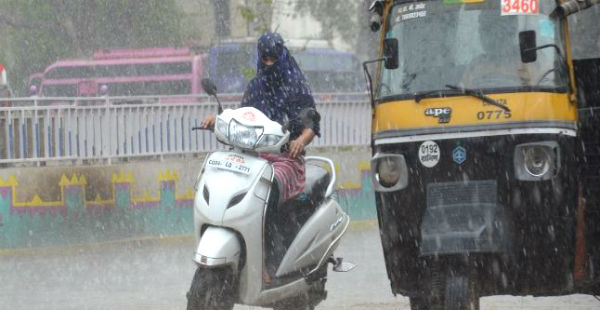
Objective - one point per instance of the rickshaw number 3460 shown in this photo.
(519, 7)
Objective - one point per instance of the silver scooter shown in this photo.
(251, 249)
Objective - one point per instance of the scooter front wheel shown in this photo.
(211, 289)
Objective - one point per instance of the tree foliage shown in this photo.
(35, 33)
(334, 16)
(258, 15)
(348, 19)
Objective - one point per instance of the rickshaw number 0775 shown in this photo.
(497, 114)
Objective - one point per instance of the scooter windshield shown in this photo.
(474, 45)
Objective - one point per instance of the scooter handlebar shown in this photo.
(201, 128)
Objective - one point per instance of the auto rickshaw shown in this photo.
(486, 163)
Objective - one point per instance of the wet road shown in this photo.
(156, 275)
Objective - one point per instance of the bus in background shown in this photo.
(233, 64)
(126, 72)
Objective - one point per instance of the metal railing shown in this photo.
(39, 130)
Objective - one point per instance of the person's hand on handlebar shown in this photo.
(209, 122)
(297, 146)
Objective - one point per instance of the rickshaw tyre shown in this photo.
(432, 291)
(419, 303)
(459, 293)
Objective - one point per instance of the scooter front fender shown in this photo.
(218, 246)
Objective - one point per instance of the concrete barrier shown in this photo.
(58, 205)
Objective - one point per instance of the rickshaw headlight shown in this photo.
(537, 161)
(389, 172)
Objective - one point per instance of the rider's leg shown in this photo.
(272, 242)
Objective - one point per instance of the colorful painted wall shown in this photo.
(74, 219)
(127, 211)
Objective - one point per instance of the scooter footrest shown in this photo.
(339, 265)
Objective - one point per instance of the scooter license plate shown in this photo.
(229, 165)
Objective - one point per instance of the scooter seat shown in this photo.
(317, 180)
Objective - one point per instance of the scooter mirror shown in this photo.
(209, 87)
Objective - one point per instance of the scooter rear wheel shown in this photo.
(211, 289)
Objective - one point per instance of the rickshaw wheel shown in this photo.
(448, 289)
(460, 293)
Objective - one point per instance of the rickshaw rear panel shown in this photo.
(516, 230)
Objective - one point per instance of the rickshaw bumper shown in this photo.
(464, 228)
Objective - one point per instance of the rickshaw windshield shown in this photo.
(472, 45)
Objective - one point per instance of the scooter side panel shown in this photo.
(218, 246)
(247, 218)
(317, 237)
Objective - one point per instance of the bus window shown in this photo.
(59, 90)
(334, 82)
(164, 68)
(585, 33)
(68, 72)
(232, 66)
(114, 70)
(324, 62)
(585, 43)
(182, 87)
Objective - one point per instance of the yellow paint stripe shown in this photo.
(407, 114)
(99, 202)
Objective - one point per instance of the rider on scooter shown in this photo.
(281, 92)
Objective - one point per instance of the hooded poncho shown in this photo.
(280, 90)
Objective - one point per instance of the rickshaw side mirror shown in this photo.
(390, 53)
(527, 45)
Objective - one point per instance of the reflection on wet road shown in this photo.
(156, 275)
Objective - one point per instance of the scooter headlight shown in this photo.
(268, 140)
(222, 127)
(537, 161)
(389, 172)
(243, 136)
